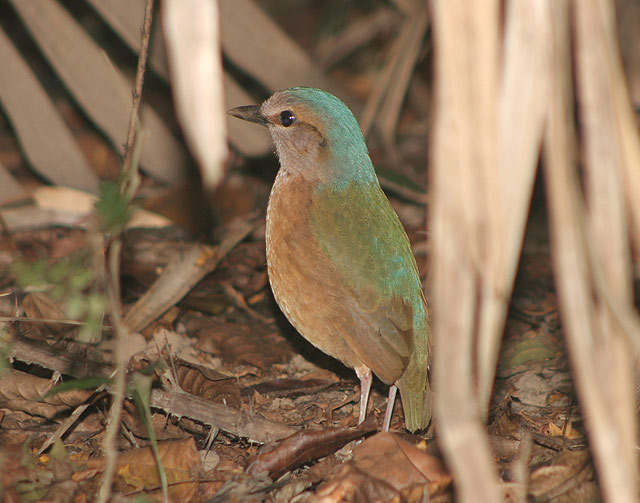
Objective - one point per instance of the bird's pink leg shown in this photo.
(366, 378)
(391, 400)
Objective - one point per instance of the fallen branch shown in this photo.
(180, 277)
(174, 402)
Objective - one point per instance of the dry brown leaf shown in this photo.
(386, 468)
(13, 470)
(68, 207)
(568, 431)
(137, 469)
(40, 306)
(22, 391)
(401, 464)
(239, 343)
(567, 473)
(356, 486)
(208, 383)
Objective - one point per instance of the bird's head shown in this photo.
(315, 134)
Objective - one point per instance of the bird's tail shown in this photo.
(417, 407)
(414, 387)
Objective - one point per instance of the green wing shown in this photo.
(361, 234)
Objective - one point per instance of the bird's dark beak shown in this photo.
(249, 113)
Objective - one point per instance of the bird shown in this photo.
(339, 261)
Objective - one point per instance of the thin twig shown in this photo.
(236, 297)
(27, 319)
(137, 93)
(70, 421)
(114, 302)
(4, 228)
(119, 381)
(407, 193)
(332, 50)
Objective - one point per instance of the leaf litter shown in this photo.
(228, 358)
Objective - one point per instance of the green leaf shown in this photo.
(58, 450)
(5, 348)
(140, 389)
(113, 208)
(87, 383)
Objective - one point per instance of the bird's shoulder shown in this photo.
(357, 228)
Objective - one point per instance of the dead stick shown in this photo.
(174, 402)
(180, 277)
(114, 301)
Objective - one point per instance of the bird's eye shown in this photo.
(287, 118)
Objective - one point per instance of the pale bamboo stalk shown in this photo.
(464, 147)
(603, 102)
(601, 358)
(521, 112)
(192, 33)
